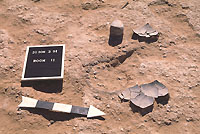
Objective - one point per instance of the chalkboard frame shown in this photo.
(44, 78)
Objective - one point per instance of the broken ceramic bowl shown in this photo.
(146, 31)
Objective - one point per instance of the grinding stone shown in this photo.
(116, 28)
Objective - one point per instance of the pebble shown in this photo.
(189, 119)
(70, 36)
(184, 6)
(168, 108)
(51, 122)
(19, 112)
(43, 40)
(108, 106)
(103, 1)
(11, 67)
(107, 23)
(6, 89)
(88, 71)
(119, 78)
(124, 51)
(24, 41)
(1, 41)
(122, 129)
(97, 97)
(168, 122)
(95, 72)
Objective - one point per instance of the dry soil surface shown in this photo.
(96, 72)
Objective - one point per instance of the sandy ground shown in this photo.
(96, 72)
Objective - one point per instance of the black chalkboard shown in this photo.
(44, 62)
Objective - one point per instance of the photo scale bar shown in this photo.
(33, 103)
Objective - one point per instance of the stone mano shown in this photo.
(44, 62)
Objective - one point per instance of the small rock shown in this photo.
(108, 106)
(124, 51)
(168, 122)
(90, 5)
(103, 1)
(88, 71)
(43, 40)
(70, 36)
(141, 126)
(11, 67)
(184, 6)
(16, 96)
(24, 41)
(119, 78)
(5, 89)
(51, 122)
(168, 108)
(189, 119)
(172, 43)
(97, 97)
(19, 112)
(95, 72)
(142, 65)
(122, 129)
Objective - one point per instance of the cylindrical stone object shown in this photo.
(116, 28)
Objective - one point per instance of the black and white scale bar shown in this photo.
(33, 103)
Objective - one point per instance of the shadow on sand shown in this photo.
(51, 115)
(144, 39)
(56, 116)
(163, 99)
(47, 86)
(143, 111)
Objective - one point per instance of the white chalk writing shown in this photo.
(53, 60)
(38, 60)
(38, 52)
(43, 52)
